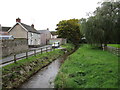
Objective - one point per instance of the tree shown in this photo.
(104, 26)
(70, 30)
(109, 14)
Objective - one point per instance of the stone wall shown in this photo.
(13, 46)
(114, 50)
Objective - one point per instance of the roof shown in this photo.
(5, 29)
(43, 31)
(29, 28)
(26, 27)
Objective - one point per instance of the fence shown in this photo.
(114, 50)
(29, 53)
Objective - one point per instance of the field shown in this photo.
(89, 68)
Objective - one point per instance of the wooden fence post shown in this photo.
(15, 58)
(46, 49)
(41, 50)
(34, 52)
(50, 48)
(26, 55)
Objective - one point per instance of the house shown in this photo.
(4, 33)
(54, 34)
(4, 30)
(45, 36)
(21, 30)
(56, 39)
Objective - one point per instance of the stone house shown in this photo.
(45, 36)
(21, 30)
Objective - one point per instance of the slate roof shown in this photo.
(29, 28)
(5, 29)
(43, 31)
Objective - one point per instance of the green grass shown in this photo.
(51, 54)
(88, 68)
(114, 45)
(33, 58)
(11, 76)
(68, 46)
(15, 74)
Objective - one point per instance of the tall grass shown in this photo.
(89, 68)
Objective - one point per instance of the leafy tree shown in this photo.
(109, 15)
(70, 30)
(104, 26)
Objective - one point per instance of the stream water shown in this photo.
(45, 77)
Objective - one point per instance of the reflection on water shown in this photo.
(45, 77)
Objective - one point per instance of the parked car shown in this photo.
(55, 45)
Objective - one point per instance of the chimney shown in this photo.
(32, 25)
(18, 20)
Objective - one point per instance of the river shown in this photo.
(45, 77)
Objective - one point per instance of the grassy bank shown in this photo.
(48, 55)
(13, 75)
(16, 73)
(114, 45)
(68, 46)
(89, 68)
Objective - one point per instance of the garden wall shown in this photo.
(13, 46)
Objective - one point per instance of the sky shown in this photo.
(44, 13)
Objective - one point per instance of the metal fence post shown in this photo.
(15, 58)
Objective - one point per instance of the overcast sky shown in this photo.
(44, 13)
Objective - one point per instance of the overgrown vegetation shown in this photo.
(89, 67)
(68, 46)
(16, 73)
(33, 58)
(103, 26)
